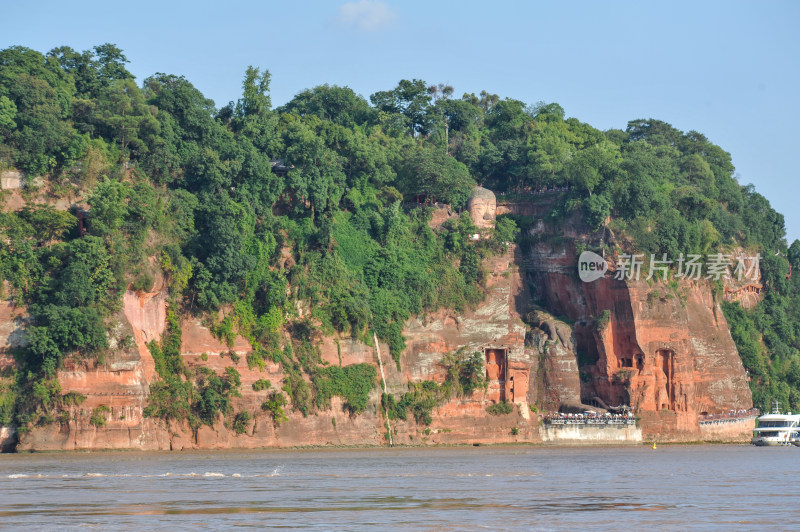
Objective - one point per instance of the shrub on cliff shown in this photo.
(274, 406)
(261, 385)
(464, 375)
(352, 383)
(500, 409)
(214, 393)
(241, 422)
(98, 417)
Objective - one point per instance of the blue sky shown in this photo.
(728, 69)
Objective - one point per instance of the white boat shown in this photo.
(777, 429)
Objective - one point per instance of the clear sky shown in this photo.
(728, 69)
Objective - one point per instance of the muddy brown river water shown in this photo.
(461, 488)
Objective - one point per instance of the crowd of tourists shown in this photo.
(589, 417)
(731, 414)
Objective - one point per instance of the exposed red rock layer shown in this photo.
(122, 384)
(664, 350)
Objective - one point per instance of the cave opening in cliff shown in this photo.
(496, 370)
(586, 344)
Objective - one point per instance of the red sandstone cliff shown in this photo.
(122, 383)
(667, 352)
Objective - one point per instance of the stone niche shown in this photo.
(496, 373)
(482, 207)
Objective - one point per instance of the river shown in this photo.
(457, 488)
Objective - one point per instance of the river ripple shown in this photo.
(463, 488)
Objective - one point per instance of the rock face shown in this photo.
(482, 207)
(8, 438)
(12, 321)
(665, 350)
(122, 384)
(496, 331)
(10, 179)
(742, 281)
(556, 343)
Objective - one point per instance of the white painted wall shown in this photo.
(577, 434)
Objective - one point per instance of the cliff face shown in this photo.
(122, 383)
(663, 349)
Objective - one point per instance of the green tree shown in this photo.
(437, 175)
(411, 100)
(593, 165)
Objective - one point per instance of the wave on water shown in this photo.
(208, 474)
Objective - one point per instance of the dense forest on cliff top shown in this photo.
(289, 220)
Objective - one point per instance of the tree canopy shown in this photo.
(262, 211)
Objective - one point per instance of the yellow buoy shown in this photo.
(654, 445)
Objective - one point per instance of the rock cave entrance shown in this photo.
(497, 369)
(586, 344)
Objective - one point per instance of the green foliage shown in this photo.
(8, 399)
(396, 409)
(262, 212)
(434, 174)
(46, 222)
(500, 409)
(171, 396)
(405, 107)
(261, 385)
(225, 330)
(255, 359)
(424, 397)
(214, 393)
(772, 364)
(98, 417)
(274, 407)
(298, 390)
(465, 372)
(352, 383)
(506, 230)
(601, 322)
(72, 399)
(241, 422)
(175, 396)
(464, 375)
(167, 354)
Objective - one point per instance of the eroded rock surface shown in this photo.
(122, 383)
(664, 350)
